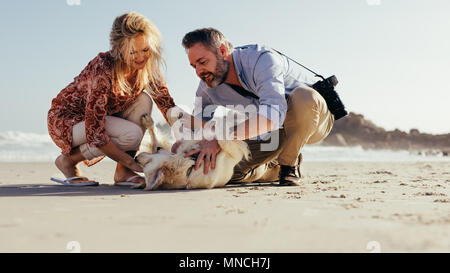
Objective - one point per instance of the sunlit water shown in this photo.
(31, 147)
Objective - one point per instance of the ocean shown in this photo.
(31, 147)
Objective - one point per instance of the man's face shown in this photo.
(210, 67)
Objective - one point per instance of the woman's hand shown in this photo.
(207, 152)
(112, 151)
(132, 165)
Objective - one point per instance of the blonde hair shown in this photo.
(125, 28)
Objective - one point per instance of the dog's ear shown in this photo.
(156, 182)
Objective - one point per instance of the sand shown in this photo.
(341, 207)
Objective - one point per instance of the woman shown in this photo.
(99, 113)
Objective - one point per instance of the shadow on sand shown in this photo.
(46, 190)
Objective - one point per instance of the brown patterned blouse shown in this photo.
(91, 97)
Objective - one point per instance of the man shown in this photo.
(257, 75)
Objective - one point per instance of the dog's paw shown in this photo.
(147, 121)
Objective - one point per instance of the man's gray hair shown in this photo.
(211, 38)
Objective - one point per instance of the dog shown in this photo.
(167, 170)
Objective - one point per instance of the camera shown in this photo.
(325, 87)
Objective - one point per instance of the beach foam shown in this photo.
(31, 147)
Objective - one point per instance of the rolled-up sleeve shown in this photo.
(269, 81)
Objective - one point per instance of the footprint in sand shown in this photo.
(350, 206)
(335, 196)
(294, 195)
(321, 182)
(430, 194)
(380, 181)
(442, 201)
(256, 188)
(238, 211)
(382, 172)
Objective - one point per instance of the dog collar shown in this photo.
(189, 171)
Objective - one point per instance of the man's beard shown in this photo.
(220, 74)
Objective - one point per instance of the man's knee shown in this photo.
(310, 115)
(305, 98)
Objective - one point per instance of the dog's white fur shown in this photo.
(170, 170)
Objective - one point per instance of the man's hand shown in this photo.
(207, 152)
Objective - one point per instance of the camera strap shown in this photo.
(325, 87)
(242, 91)
(315, 74)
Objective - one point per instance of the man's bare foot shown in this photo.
(69, 169)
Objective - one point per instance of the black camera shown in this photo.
(325, 87)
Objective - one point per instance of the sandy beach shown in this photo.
(341, 207)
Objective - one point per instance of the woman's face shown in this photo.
(140, 52)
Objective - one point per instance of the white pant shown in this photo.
(124, 129)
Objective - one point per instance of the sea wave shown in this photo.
(27, 147)
(359, 154)
(24, 139)
(32, 147)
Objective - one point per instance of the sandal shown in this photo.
(128, 182)
(66, 182)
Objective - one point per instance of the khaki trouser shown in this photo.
(124, 129)
(308, 121)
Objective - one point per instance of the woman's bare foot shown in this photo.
(123, 174)
(69, 168)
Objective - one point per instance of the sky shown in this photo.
(392, 57)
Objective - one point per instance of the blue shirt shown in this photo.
(261, 71)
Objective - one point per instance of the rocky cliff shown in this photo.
(354, 130)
